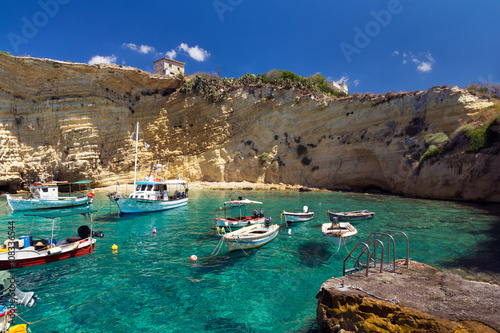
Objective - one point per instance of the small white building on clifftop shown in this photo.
(339, 87)
(168, 67)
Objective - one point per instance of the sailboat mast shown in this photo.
(136, 145)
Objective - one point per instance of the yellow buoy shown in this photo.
(21, 328)
(114, 247)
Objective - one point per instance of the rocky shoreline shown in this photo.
(414, 299)
(231, 186)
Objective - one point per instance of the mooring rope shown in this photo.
(102, 207)
(63, 310)
(241, 247)
(4, 204)
(393, 300)
(218, 247)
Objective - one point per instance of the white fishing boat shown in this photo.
(251, 237)
(154, 192)
(46, 195)
(290, 217)
(358, 215)
(338, 233)
(31, 250)
(242, 219)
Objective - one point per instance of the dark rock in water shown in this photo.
(419, 298)
(314, 254)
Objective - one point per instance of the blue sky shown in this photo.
(376, 46)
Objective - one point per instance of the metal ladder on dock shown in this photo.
(369, 248)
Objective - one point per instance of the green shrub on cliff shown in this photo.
(481, 137)
(5, 53)
(215, 89)
(211, 87)
(435, 139)
(430, 153)
(485, 90)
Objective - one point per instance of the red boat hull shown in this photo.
(47, 259)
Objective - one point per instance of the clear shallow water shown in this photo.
(151, 286)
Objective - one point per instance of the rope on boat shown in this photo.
(241, 247)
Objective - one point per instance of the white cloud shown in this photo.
(131, 46)
(195, 52)
(144, 49)
(171, 54)
(395, 53)
(424, 60)
(424, 67)
(347, 81)
(344, 79)
(97, 59)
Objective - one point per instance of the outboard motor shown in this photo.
(267, 222)
(255, 213)
(261, 213)
(84, 232)
(19, 297)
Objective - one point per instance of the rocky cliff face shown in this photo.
(77, 121)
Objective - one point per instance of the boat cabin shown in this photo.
(45, 190)
(152, 190)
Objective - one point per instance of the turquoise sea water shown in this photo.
(150, 285)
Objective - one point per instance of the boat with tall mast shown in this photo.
(154, 192)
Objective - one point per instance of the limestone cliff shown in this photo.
(77, 121)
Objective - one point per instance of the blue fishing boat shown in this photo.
(46, 195)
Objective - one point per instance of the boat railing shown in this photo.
(370, 246)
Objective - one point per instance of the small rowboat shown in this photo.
(251, 237)
(337, 233)
(358, 215)
(306, 215)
